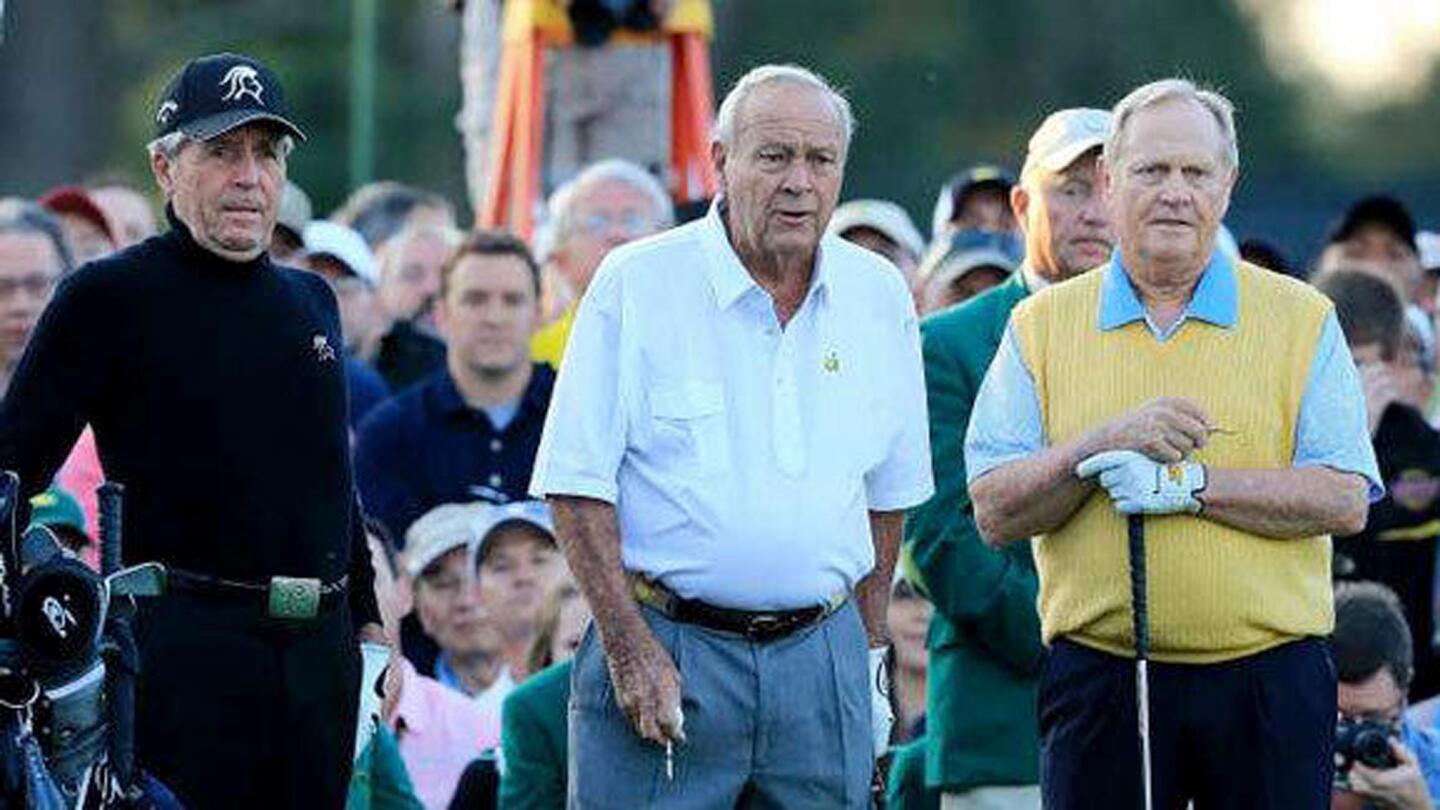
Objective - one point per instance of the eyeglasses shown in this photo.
(37, 285)
(630, 223)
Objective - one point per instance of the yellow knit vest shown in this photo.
(1215, 592)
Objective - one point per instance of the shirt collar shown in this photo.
(1215, 299)
(728, 277)
(447, 397)
(449, 402)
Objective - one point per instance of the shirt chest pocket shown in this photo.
(689, 428)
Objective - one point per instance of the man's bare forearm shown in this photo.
(872, 594)
(1033, 495)
(1288, 503)
(589, 535)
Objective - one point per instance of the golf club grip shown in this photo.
(1139, 608)
(110, 496)
(9, 548)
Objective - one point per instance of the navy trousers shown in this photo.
(1256, 732)
(235, 710)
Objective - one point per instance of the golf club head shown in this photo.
(145, 579)
(38, 546)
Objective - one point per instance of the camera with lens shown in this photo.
(1366, 742)
(593, 21)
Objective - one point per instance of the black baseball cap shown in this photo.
(1378, 210)
(214, 94)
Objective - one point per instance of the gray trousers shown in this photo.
(784, 724)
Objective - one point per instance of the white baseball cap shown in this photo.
(491, 518)
(441, 530)
(879, 215)
(345, 244)
(1428, 244)
(1064, 136)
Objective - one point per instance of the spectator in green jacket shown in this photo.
(533, 722)
(985, 652)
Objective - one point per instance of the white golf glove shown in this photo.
(1139, 485)
(882, 717)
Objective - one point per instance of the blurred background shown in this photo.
(1335, 96)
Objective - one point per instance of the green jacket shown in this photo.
(906, 789)
(379, 780)
(985, 651)
(533, 741)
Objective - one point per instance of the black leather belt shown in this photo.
(756, 625)
(281, 597)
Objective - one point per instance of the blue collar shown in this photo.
(1215, 300)
(445, 675)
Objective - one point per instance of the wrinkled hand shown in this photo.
(882, 715)
(1401, 787)
(1138, 485)
(647, 686)
(1166, 429)
(1381, 389)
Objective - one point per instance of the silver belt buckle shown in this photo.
(294, 597)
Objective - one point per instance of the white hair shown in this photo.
(1155, 92)
(562, 202)
(171, 143)
(769, 74)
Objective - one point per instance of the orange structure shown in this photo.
(517, 135)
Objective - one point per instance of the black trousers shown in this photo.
(236, 710)
(1256, 732)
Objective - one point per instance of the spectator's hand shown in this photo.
(1399, 788)
(882, 715)
(1381, 389)
(647, 686)
(1166, 429)
(1138, 485)
(373, 633)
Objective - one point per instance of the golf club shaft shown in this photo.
(1140, 611)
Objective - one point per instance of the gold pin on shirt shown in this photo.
(831, 363)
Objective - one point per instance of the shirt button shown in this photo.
(495, 445)
(496, 480)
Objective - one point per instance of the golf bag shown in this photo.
(68, 661)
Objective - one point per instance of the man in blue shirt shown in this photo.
(469, 432)
(1375, 663)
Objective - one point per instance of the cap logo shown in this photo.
(162, 116)
(241, 81)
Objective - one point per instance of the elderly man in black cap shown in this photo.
(215, 383)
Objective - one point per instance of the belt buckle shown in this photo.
(764, 626)
(294, 598)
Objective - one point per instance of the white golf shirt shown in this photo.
(742, 458)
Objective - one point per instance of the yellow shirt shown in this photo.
(1215, 592)
(548, 344)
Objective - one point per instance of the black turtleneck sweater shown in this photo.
(217, 393)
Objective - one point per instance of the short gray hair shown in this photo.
(1155, 92)
(171, 143)
(769, 74)
(388, 252)
(24, 217)
(562, 202)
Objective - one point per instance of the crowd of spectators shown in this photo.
(453, 337)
